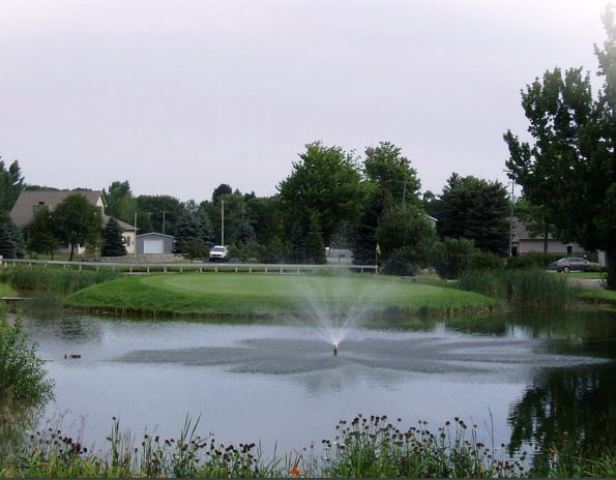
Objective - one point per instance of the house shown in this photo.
(524, 242)
(30, 201)
(154, 243)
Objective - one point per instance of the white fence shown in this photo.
(190, 267)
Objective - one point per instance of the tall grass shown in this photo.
(521, 287)
(363, 447)
(54, 281)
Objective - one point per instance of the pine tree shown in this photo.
(113, 246)
(7, 246)
(18, 240)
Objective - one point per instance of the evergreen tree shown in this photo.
(11, 185)
(113, 246)
(315, 250)
(7, 246)
(18, 240)
(475, 209)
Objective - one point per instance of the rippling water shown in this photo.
(526, 376)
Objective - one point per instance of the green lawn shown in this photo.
(6, 291)
(254, 294)
(589, 275)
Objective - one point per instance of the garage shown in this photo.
(154, 244)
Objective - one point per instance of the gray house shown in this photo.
(154, 243)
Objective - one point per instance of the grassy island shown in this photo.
(262, 295)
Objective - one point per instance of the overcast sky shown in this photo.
(178, 96)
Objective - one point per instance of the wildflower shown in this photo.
(295, 472)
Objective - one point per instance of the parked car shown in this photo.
(219, 253)
(568, 264)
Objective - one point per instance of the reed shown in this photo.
(533, 287)
(57, 281)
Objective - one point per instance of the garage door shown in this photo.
(153, 246)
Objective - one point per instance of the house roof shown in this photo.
(126, 227)
(23, 210)
(520, 232)
(154, 234)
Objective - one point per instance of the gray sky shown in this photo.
(178, 96)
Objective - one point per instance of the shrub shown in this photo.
(451, 256)
(400, 262)
(486, 261)
(22, 376)
(532, 260)
(250, 251)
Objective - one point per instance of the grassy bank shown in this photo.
(5, 291)
(260, 295)
(370, 447)
(599, 296)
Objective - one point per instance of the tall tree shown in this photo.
(11, 185)
(390, 180)
(535, 219)
(406, 231)
(392, 173)
(475, 209)
(41, 233)
(113, 245)
(315, 250)
(162, 211)
(78, 222)
(325, 180)
(120, 201)
(569, 167)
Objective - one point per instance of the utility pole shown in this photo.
(164, 218)
(511, 220)
(222, 222)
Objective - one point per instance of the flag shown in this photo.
(378, 249)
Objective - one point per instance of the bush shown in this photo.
(533, 260)
(451, 256)
(400, 262)
(250, 251)
(520, 287)
(485, 261)
(57, 281)
(22, 376)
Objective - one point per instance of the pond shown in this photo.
(522, 378)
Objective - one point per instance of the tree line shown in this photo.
(373, 204)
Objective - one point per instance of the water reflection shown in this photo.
(575, 406)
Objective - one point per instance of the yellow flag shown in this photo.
(378, 249)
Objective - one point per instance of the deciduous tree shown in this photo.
(569, 166)
(77, 222)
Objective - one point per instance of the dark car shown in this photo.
(580, 264)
